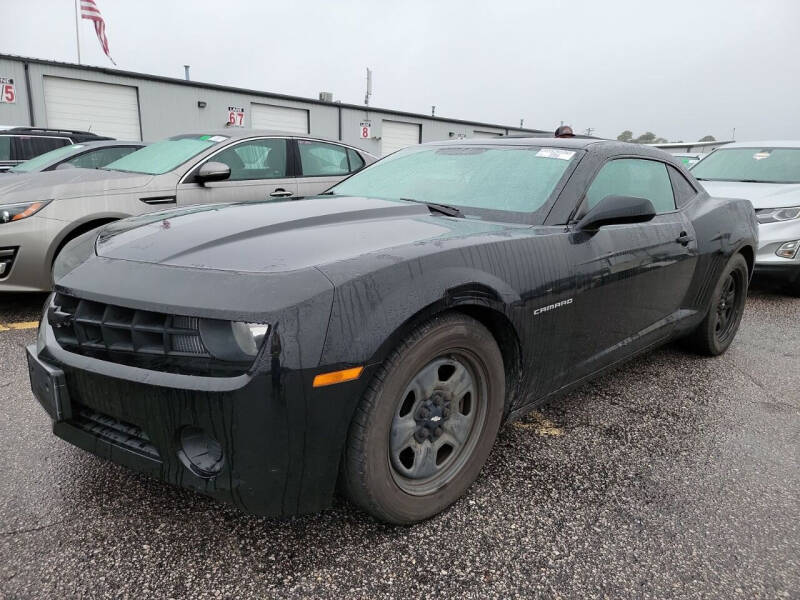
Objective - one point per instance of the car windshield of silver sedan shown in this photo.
(753, 165)
(163, 156)
(514, 179)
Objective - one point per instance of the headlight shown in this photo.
(775, 215)
(22, 210)
(73, 254)
(233, 340)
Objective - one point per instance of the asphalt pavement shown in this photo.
(675, 477)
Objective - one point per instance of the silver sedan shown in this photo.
(767, 174)
(40, 214)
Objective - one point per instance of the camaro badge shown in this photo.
(542, 309)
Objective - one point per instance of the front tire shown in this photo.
(427, 422)
(715, 334)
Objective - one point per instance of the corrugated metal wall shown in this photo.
(171, 107)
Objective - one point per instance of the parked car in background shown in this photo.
(38, 215)
(18, 144)
(767, 174)
(86, 155)
(377, 337)
(689, 159)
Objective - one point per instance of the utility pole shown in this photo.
(589, 131)
(433, 110)
(521, 123)
(369, 87)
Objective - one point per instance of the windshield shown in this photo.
(43, 160)
(165, 155)
(511, 179)
(760, 165)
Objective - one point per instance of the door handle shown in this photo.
(280, 193)
(684, 238)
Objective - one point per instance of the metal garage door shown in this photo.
(279, 118)
(397, 135)
(485, 134)
(102, 108)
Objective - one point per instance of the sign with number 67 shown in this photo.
(235, 116)
(8, 94)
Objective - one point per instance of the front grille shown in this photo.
(116, 432)
(87, 327)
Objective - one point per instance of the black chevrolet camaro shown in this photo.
(378, 335)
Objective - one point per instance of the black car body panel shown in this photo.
(341, 280)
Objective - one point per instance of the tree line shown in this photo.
(648, 137)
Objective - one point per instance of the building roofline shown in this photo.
(690, 144)
(228, 88)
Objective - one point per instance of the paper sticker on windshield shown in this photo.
(555, 153)
(217, 138)
(761, 155)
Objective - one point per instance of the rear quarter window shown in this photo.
(684, 190)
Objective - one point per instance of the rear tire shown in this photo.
(715, 334)
(426, 423)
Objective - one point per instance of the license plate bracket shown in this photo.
(49, 386)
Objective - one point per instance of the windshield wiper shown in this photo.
(445, 209)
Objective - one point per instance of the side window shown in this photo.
(5, 147)
(633, 177)
(356, 162)
(684, 191)
(94, 159)
(319, 158)
(258, 159)
(25, 147)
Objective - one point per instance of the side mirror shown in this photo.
(213, 171)
(615, 210)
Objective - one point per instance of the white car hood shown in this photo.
(761, 195)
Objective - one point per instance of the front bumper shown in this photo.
(32, 239)
(280, 438)
(772, 236)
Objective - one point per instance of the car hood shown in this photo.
(268, 237)
(68, 183)
(761, 195)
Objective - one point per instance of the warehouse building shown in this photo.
(135, 106)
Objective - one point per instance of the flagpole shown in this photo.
(77, 31)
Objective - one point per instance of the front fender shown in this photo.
(367, 311)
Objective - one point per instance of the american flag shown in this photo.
(90, 12)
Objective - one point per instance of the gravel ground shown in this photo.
(677, 476)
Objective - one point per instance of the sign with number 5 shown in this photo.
(8, 94)
(235, 116)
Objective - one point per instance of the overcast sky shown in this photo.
(682, 69)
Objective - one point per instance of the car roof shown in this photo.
(239, 133)
(43, 131)
(764, 144)
(600, 146)
(520, 141)
(102, 143)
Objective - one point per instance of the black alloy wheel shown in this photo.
(717, 330)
